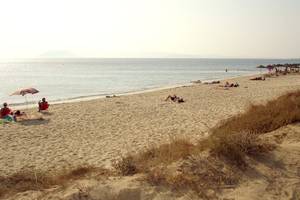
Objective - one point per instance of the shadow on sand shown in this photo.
(33, 122)
(46, 113)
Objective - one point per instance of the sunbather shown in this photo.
(228, 85)
(236, 85)
(175, 98)
(19, 116)
(180, 100)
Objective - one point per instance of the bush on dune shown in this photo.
(163, 154)
(29, 180)
(229, 144)
(260, 119)
(199, 173)
(239, 135)
(235, 147)
(25, 180)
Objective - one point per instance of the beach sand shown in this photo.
(99, 131)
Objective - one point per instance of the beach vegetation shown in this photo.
(218, 160)
(37, 180)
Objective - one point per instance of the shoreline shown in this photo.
(31, 105)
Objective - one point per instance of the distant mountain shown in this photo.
(57, 54)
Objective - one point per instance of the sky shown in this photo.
(150, 28)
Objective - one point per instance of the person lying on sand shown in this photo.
(112, 96)
(228, 85)
(258, 78)
(175, 98)
(19, 116)
(22, 116)
(236, 85)
(43, 105)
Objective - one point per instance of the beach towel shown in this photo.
(8, 118)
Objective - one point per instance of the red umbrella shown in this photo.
(25, 91)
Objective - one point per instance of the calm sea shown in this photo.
(63, 79)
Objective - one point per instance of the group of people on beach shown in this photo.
(177, 99)
(9, 115)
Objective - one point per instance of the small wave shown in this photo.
(23, 103)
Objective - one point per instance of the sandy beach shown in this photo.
(96, 132)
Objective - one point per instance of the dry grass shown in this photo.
(126, 166)
(76, 173)
(161, 155)
(199, 173)
(23, 181)
(238, 136)
(264, 118)
(29, 180)
(221, 155)
(236, 147)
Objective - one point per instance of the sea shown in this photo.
(60, 80)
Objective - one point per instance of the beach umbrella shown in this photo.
(25, 91)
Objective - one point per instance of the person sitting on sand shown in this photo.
(43, 105)
(5, 111)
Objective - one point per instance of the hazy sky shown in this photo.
(150, 28)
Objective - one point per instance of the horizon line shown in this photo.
(53, 58)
